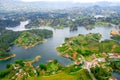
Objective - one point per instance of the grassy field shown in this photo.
(80, 75)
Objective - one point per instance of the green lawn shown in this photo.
(80, 75)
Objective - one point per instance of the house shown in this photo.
(114, 59)
(37, 67)
(16, 66)
(66, 55)
(104, 54)
(99, 16)
(20, 70)
(20, 76)
(113, 55)
(112, 78)
(16, 74)
(114, 32)
(77, 63)
(50, 61)
(95, 63)
(34, 71)
(101, 60)
(116, 54)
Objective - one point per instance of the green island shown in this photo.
(30, 38)
(89, 55)
(26, 39)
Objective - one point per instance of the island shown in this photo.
(30, 38)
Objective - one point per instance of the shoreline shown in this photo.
(36, 59)
(6, 58)
(27, 47)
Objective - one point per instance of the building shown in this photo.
(99, 16)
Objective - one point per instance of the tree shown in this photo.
(20, 62)
(43, 67)
(8, 66)
(4, 73)
(55, 61)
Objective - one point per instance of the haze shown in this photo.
(84, 1)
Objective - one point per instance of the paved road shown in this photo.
(87, 65)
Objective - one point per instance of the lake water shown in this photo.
(116, 75)
(21, 27)
(47, 50)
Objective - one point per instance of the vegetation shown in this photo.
(79, 48)
(52, 70)
(9, 23)
(62, 20)
(28, 39)
(80, 75)
(6, 41)
(117, 37)
(102, 24)
(58, 27)
(87, 45)
(20, 62)
(115, 65)
(4, 73)
(115, 34)
(109, 46)
(74, 48)
(101, 73)
(4, 54)
(34, 24)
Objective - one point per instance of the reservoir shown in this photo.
(47, 50)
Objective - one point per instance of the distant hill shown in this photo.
(18, 5)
